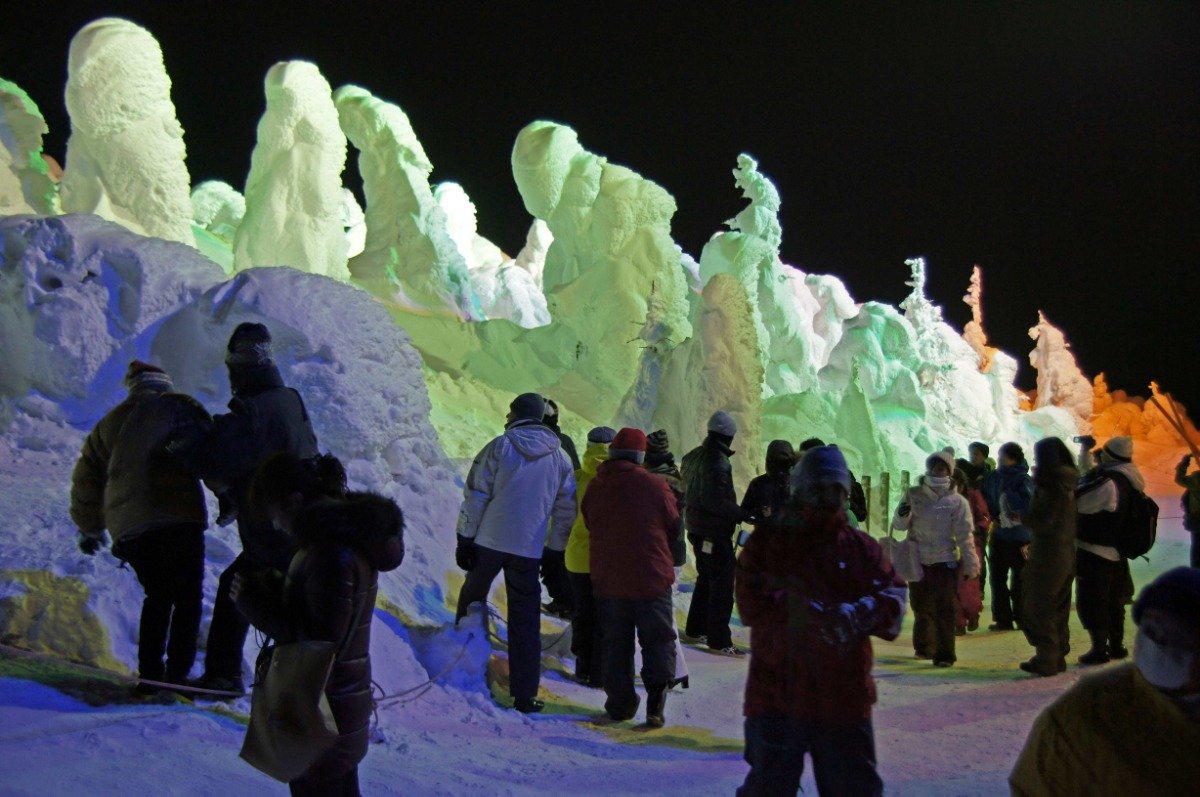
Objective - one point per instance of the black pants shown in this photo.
(934, 610)
(1102, 588)
(1046, 604)
(326, 781)
(169, 563)
(555, 577)
(227, 632)
(651, 619)
(1005, 559)
(524, 612)
(712, 600)
(1195, 549)
(585, 631)
(843, 757)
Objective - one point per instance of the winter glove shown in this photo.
(465, 554)
(1087, 441)
(90, 545)
(904, 510)
(846, 624)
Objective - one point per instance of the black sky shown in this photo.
(1054, 144)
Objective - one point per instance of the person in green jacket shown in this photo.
(585, 631)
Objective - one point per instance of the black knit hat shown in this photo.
(528, 407)
(658, 442)
(250, 344)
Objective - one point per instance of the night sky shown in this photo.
(1056, 145)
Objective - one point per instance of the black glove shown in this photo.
(465, 554)
(1087, 441)
(904, 510)
(90, 545)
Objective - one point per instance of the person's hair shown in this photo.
(284, 474)
(980, 447)
(1050, 454)
(812, 442)
(1012, 451)
(960, 481)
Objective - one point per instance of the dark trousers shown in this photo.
(524, 612)
(585, 630)
(227, 632)
(1046, 607)
(651, 619)
(934, 603)
(1102, 590)
(1195, 549)
(169, 563)
(1005, 560)
(843, 757)
(555, 577)
(712, 600)
(323, 780)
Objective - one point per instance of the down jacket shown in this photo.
(941, 523)
(125, 481)
(579, 544)
(1111, 733)
(520, 482)
(329, 595)
(795, 670)
(632, 519)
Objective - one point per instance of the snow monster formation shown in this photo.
(294, 190)
(125, 157)
(1060, 383)
(25, 184)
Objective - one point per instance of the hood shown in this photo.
(369, 523)
(533, 440)
(1129, 471)
(593, 455)
(781, 457)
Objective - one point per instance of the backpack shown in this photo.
(1138, 526)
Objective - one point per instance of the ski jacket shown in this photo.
(766, 494)
(941, 523)
(1111, 733)
(632, 519)
(329, 595)
(520, 482)
(980, 515)
(126, 481)
(666, 469)
(265, 417)
(795, 670)
(712, 510)
(1100, 504)
(579, 543)
(1008, 490)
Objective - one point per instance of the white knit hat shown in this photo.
(941, 456)
(1120, 448)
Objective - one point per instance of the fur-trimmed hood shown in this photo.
(369, 523)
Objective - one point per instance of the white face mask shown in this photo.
(938, 482)
(1162, 666)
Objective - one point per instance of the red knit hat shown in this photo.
(628, 444)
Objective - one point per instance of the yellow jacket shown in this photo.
(1112, 733)
(579, 544)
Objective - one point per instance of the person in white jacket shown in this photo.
(939, 519)
(520, 483)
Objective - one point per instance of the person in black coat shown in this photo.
(766, 494)
(554, 567)
(265, 417)
(344, 541)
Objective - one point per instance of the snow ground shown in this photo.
(938, 732)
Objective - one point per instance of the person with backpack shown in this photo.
(344, 541)
(1103, 502)
(661, 462)
(585, 623)
(712, 516)
(265, 417)
(1008, 491)
(520, 484)
(126, 482)
(813, 591)
(1046, 597)
(1190, 503)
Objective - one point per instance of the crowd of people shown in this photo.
(607, 536)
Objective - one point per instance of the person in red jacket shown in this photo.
(812, 591)
(969, 603)
(632, 519)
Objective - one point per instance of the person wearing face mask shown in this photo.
(1133, 729)
(940, 520)
(813, 590)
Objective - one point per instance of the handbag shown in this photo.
(904, 555)
(291, 723)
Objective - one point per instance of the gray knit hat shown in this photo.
(722, 422)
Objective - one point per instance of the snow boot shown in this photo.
(1116, 650)
(656, 702)
(1099, 652)
(528, 705)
